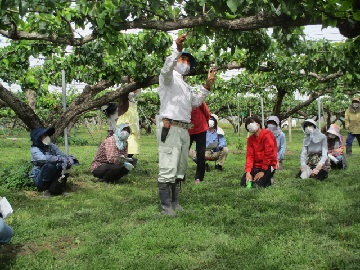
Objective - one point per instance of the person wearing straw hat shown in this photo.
(335, 147)
(352, 124)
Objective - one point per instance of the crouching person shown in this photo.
(261, 155)
(50, 165)
(314, 153)
(6, 232)
(111, 161)
(335, 147)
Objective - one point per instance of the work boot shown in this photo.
(349, 150)
(165, 199)
(175, 189)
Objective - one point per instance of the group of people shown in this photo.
(184, 118)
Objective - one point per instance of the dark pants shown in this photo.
(110, 172)
(264, 181)
(200, 140)
(350, 138)
(48, 179)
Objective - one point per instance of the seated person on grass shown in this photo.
(335, 143)
(273, 124)
(314, 154)
(111, 161)
(261, 155)
(216, 146)
(6, 232)
(50, 165)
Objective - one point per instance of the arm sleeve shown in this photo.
(249, 156)
(205, 109)
(166, 74)
(222, 140)
(347, 120)
(303, 156)
(282, 147)
(270, 146)
(39, 157)
(324, 151)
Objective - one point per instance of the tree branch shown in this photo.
(242, 24)
(326, 78)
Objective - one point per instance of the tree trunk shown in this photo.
(278, 102)
(31, 98)
(21, 109)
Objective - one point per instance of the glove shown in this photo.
(128, 166)
(121, 159)
(70, 160)
(315, 171)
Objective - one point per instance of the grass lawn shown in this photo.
(294, 224)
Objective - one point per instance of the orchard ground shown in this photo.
(294, 224)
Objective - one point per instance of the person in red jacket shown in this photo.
(199, 118)
(261, 154)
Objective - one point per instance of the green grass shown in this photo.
(295, 224)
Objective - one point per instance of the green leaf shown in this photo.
(233, 5)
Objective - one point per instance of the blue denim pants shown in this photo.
(6, 232)
(48, 173)
(350, 138)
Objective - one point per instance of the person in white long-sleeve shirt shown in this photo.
(177, 99)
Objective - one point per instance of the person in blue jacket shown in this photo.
(50, 165)
(216, 145)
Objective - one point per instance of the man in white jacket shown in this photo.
(177, 99)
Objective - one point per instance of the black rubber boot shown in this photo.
(175, 189)
(165, 199)
(349, 150)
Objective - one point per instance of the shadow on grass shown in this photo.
(8, 255)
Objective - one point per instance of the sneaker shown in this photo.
(218, 167)
(207, 167)
(197, 181)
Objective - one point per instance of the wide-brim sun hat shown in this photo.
(192, 59)
(356, 99)
(308, 121)
(215, 117)
(334, 129)
(274, 118)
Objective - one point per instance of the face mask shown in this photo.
(309, 130)
(211, 123)
(46, 140)
(252, 127)
(271, 126)
(355, 105)
(183, 69)
(124, 135)
(332, 136)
